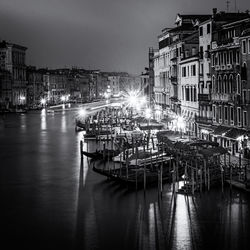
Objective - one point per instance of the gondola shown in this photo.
(101, 155)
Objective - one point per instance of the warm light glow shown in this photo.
(63, 98)
(180, 122)
(204, 131)
(106, 95)
(143, 100)
(157, 112)
(148, 113)
(82, 112)
(22, 98)
(43, 101)
(132, 99)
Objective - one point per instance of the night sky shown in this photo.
(110, 35)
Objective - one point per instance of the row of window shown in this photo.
(226, 84)
(189, 94)
(189, 70)
(208, 29)
(226, 57)
(228, 115)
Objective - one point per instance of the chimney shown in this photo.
(214, 11)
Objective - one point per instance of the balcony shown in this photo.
(173, 79)
(222, 97)
(203, 119)
(204, 97)
(229, 66)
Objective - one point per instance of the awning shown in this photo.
(234, 133)
(221, 130)
(167, 119)
(208, 152)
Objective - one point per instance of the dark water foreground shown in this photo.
(49, 200)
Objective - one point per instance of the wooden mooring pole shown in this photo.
(81, 148)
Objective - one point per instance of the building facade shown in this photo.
(189, 92)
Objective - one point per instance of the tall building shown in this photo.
(189, 91)
(12, 59)
(228, 88)
(207, 34)
(35, 86)
(174, 44)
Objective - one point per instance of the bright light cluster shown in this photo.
(82, 112)
(148, 113)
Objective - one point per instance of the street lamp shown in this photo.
(63, 98)
(43, 101)
(22, 99)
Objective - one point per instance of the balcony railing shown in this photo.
(204, 97)
(173, 78)
(203, 119)
(222, 97)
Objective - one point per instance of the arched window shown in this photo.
(230, 90)
(219, 84)
(238, 83)
(225, 89)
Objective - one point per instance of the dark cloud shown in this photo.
(104, 34)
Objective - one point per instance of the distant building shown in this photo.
(36, 90)
(145, 84)
(12, 59)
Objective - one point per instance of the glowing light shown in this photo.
(204, 131)
(132, 99)
(106, 95)
(22, 98)
(180, 122)
(148, 113)
(43, 101)
(82, 112)
(143, 100)
(63, 98)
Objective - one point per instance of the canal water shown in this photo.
(52, 200)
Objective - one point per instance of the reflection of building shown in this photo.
(12, 59)
(189, 91)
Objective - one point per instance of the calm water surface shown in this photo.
(52, 200)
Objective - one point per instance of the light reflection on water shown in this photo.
(72, 206)
(43, 119)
